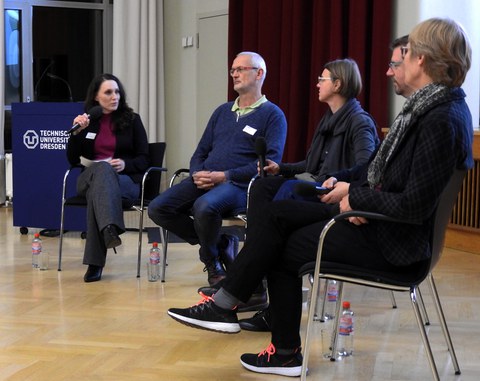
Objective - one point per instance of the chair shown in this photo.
(149, 189)
(238, 219)
(405, 281)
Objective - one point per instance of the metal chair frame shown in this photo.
(149, 182)
(387, 281)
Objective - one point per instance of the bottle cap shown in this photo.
(36, 235)
(155, 244)
(346, 304)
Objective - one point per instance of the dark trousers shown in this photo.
(104, 190)
(285, 238)
(262, 192)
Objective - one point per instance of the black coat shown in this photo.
(437, 143)
(131, 146)
(341, 140)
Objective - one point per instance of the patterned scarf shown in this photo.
(416, 105)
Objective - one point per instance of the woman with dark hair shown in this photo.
(114, 150)
(345, 136)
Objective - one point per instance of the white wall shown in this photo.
(180, 20)
(411, 12)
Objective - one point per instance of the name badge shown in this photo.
(249, 130)
(91, 135)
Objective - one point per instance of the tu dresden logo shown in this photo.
(31, 139)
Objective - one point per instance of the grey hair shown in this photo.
(257, 61)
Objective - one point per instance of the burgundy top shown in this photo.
(105, 140)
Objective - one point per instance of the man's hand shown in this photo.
(345, 207)
(207, 179)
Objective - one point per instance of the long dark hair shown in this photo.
(123, 115)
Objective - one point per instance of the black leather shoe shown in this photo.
(93, 274)
(260, 322)
(215, 272)
(110, 237)
(210, 290)
(257, 302)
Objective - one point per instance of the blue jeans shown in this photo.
(174, 208)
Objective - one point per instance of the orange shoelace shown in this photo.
(270, 350)
(205, 299)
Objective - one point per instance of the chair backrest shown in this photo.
(443, 214)
(156, 153)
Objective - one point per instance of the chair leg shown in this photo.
(443, 323)
(60, 241)
(423, 310)
(140, 237)
(164, 238)
(324, 302)
(316, 316)
(310, 320)
(392, 298)
(336, 320)
(421, 327)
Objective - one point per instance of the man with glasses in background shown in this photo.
(395, 68)
(222, 166)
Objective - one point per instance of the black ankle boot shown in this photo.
(93, 274)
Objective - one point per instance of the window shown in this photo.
(53, 49)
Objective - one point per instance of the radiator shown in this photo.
(466, 212)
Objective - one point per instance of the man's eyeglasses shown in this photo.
(404, 50)
(323, 79)
(241, 69)
(394, 64)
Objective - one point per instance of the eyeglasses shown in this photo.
(323, 79)
(241, 69)
(394, 64)
(404, 50)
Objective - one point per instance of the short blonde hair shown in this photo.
(446, 48)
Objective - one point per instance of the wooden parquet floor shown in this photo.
(53, 326)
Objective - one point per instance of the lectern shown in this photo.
(39, 143)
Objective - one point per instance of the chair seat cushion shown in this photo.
(82, 201)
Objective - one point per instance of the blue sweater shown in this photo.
(228, 142)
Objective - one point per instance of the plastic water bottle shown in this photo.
(330, 305)
(345, 332)
(331, 302)
(153, 264)
(36, 250)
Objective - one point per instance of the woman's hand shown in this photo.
(83, 121)
(117, 164)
